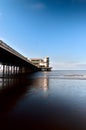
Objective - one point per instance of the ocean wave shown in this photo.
(69, 76)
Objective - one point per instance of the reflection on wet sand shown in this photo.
(41, 83)
(9, 83)
(16, 87)
(11, 92)
(42, 103)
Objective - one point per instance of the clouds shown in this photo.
(68, 66)
(38, 6)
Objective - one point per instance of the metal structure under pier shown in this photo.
(45, 68)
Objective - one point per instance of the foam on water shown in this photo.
(68, 74)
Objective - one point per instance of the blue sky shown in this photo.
(39, 28)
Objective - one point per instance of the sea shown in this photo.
(52, 100)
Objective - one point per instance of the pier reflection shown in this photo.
(42, 83)
(12, 82)
(18, 86)
(12, 92)
(38, 102)
(19, 81)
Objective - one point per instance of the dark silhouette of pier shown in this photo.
(12, 62)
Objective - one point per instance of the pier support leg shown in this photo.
(20, 70)
(8, 70)
(3, 70)
(14, 70)
(3, 75)
(11, 70)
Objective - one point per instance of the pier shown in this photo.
(12, 62)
